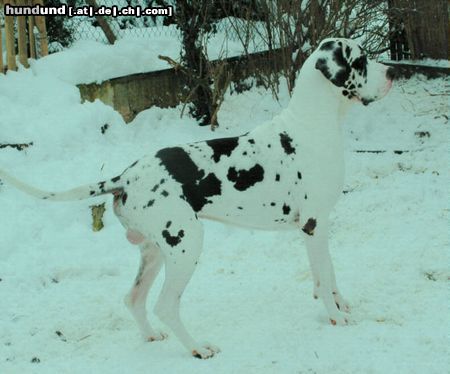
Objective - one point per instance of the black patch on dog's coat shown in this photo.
(321, 64)
(164, 193)
(277, 178)
(286, 209)
(124, 197)
(251, 141)
(244, 179)
(360, 65)
(101, 186)
(348, 51)
(173, 240)
(115, 179)
(149, 204)
(222, 147)
(286, 143)
(168, 223)
(343, 74)
(155, 187)
(299, 175)
(328, 46)
(196, 187)
(309, 226)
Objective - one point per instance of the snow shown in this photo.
(130, 55)
(89, 61)
(61, 285)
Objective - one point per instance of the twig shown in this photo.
(436, 94)
(19, 147)
(397, 152)
(176, 65)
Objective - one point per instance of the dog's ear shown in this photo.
(336, 71)
(322, 65)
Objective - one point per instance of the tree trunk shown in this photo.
(192, 18)
(103, 23)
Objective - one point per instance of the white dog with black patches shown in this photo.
(287, 173)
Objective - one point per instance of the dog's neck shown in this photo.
(313, 90)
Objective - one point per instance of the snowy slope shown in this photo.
(61, 285)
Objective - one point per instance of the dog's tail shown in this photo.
(79, 193)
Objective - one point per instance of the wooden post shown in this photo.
(9, 38)
(1, 51)
(40, 23)
(31, 39)
(22, 39)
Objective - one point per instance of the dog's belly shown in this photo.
(259, 209)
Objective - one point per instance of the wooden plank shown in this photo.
(9, 38)
(22, 38)
(31, 38)
(1, 50)
(40, 24)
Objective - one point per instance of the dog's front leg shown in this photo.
(325, 288)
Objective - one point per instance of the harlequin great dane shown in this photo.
(287, 173)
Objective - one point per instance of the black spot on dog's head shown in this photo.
(345, 64)
(328, 46)
(360, 65)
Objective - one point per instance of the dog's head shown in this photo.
(356, 77)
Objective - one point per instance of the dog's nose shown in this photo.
(391, 73)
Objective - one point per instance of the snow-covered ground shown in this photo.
(61, 285)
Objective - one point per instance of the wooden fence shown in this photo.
(31, 34)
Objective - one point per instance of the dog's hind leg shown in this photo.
(135, 300)
(181, 248)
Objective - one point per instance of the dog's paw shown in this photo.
(205, 352)
(340, 319)
(156, 336)
(341, 303)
